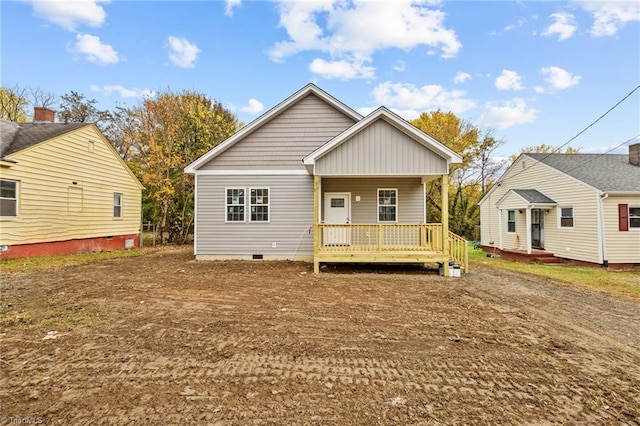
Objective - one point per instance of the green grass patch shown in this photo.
(625, 283)
(45, 262)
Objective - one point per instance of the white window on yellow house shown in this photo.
(117, 205)
(634, 217)
(8, 198)
(566, 217)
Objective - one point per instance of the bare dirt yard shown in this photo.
(163, 339)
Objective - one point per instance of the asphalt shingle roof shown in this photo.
(534, 196)
(15, 137)
(606, 172)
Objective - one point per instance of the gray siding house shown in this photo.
(582, 207)
(313, 180)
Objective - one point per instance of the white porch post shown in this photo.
(528, 231)
(500, 228)
(317, 193)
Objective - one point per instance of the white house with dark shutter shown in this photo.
(312, 179)
(583, 207)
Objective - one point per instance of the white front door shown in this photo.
(337, 210)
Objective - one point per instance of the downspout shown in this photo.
(528, 228)
(602, 247)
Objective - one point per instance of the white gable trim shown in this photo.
(250, 172)
(527, 203)
(266, 117)
(394, 120)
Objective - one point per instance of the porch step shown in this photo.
(548, 259)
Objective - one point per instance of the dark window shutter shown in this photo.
(623, 217)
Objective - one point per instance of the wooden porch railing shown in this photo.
(385, 238)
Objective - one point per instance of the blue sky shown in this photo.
(534, 72)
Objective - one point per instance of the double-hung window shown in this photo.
(235, 203)
(566, 217)
(259, 204)
(387, 205)
(634, 217)
(511, 221)
(117, 205)
(8, 198)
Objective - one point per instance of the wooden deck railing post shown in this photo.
(445, 222)
(316, 224)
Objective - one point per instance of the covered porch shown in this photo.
(359, 235)
(369, 196)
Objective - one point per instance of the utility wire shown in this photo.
(576, 136)
(596, 156)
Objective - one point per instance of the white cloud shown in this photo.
(353, 31)
(564, 26)
(183, 53)
(343, 69)
(610, 17)
(400, 66)
(70, 14)
(512, 27)
(230, 5)
(407, 114)
(507, 114)
(253, 107)
(124, 92)
(461, 77)
(539, 89)
(406, 96)
(94, 50)
(509, 80)
(559, 78)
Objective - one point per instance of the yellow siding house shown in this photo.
(64, 189)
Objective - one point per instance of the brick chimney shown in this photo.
(634, 154)
(43, 115)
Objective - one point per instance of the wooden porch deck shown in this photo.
(540, 256)
(389, 243)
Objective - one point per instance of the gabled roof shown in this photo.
(534, 196)
(268, 116)
(610, 173)
(15, 137)
(393, 119)
(525, 198)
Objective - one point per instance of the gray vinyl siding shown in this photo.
(410, 197)
(285, 140)
(380, 149)
(291, 214)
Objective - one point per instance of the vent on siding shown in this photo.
(257, 257)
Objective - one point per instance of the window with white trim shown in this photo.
(387, 205)
(511, 221)
(566, 217)
(634, 217)
(235, 204)
(259, 203)
(117, 205)
(8, 198)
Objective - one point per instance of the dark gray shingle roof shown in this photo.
(606, 172)
(534, 196)
(15, 137)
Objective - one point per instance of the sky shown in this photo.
(530, 72)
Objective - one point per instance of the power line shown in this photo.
(578, 134)
(595, 156)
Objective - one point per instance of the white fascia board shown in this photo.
(397, 122)
(267, 116)
(249, 172)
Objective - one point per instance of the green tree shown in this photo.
(161, 137)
